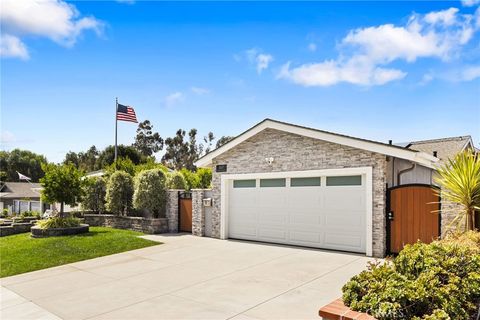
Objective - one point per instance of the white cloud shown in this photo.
(470, 73)
(200, 91)
(312, 47)
(53, 19)
(12, 47)
(7, 137)
(174, 98)
(366, 51)
(470, 3)
(256, 57)
(263, 60)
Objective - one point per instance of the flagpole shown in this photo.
(116, 121)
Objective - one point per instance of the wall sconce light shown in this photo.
(269, 160)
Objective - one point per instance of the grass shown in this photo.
(21, 253)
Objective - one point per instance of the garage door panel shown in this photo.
(331, 217)
(306, 219)
(345, 241)
(306, 238)
(344, 199)
(272, 234)
(345, 219)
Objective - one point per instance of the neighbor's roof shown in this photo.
(373, 146)
(20, 190)
(446, 147)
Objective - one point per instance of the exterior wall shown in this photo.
(198, 213)
(172, 210)
(419, 174)
(294, 153)
(208, 214)
(146, 225)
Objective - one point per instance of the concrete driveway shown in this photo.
(185, 278)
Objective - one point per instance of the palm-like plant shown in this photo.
(459, 180)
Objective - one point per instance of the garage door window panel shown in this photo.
(273, 183)
(344, 181)
(251, 183)
(305, 182)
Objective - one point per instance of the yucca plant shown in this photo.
(459, 179)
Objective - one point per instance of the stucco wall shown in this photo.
(293, 152)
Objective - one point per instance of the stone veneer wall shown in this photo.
(16, 228)
(172, 210)
(198, 213)
(146, 225)
(293, 153)
(449, 210)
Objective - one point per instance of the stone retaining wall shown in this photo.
(146, 225)
(16, 228)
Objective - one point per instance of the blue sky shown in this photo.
(378, 70)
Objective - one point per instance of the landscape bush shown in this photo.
(440, 280)
(176, 180)
(94, 195)
(204, 177)
(119, 193)
(28, 214)
(150, 192)
(192, 180)
(57, 222)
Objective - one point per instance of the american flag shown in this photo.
(126, 113)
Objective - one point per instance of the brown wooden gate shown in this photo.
(412, 215)
(185, 212)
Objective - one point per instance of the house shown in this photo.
(283, 183)
(18, 197)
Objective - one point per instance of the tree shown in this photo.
(123, 164)
(94, 194)
(459, 180)
(85, 161)
(146, 141)
(23, 161)
(150, 192)
(107, 156)
(183, 154)
(62, 183)
(176, 180)
(223, 140)
(119, 193)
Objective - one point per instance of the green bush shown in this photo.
(176, 180)
(28, 214)
(57, 222)
(204, 177)
(4, 213)
(123, 164)
(119, 193)
(150, 192)
(440, 280)
(94, 195)
(150, 164)
(192, 180)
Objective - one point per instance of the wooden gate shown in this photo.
(412, 215)
(185, 212)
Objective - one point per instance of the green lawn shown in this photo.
(21, 253)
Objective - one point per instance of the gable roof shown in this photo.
(20, 190)
(373, 146)
(446, 147)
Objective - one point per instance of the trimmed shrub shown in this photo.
(204, 177)
(30, 214)
(119, 193)
(150, 192)
(440, 280)
(176, 180)
(94, 195)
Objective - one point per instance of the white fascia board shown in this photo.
(415, 156)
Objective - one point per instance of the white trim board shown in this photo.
(365, 171)
(390, 150)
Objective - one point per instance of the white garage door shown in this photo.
(318, 211)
